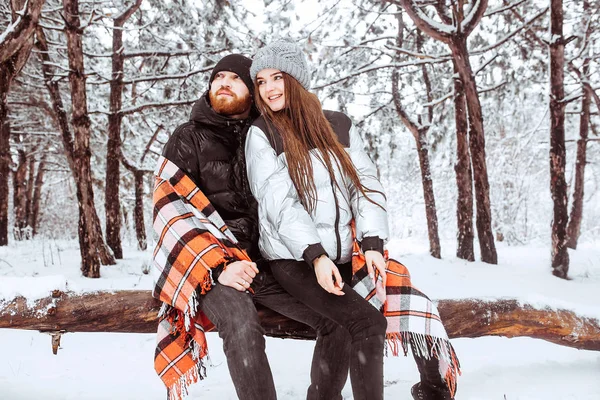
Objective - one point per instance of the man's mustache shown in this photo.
(225, 91)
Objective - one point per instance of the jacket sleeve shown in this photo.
(279, 205)
(371, 220)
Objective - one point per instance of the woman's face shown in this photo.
(271, 88)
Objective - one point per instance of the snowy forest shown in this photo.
(482, 116)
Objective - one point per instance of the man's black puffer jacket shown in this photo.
(209, 149)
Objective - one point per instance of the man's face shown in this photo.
(229, 95)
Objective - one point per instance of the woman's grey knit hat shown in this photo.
(285, 56)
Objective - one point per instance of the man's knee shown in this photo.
(230, 310)
(242, 335)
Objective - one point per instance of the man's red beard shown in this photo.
(230, 105)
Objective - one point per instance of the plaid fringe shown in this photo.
(427, 347)
(180, 388)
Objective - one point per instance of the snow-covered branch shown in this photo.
(20, 30)
(439, 31)
(145, 53)
(133, 110)
(473, 17)
(524, 25)
(504, 8)
(128, 13)
(154, 78)
(372, 68)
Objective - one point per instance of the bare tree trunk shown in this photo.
(37, 194)
(14, 52)
(112, 204)
(574, 227)
(558, 184)
(138, 211)
(430, 208)
(30, 185)
(419, 132)
(20, 195)
(464, 179)
(93, 250)
(477, 148)
(4, 156)
(58, 107)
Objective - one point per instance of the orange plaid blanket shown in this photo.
(191, 239)
(409, 312)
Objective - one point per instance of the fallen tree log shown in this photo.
(136, 311)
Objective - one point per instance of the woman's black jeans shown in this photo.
(365, 324)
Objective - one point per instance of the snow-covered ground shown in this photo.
(119, 366)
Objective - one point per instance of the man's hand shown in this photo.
(375, 259)
(238, 275)
(328, 275)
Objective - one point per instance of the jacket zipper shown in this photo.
(337, 223)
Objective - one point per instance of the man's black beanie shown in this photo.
(238, 64)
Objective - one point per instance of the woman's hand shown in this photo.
(375, 259)
(328, 275)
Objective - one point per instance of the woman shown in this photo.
(311, 177)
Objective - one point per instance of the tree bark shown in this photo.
(136, 311)
(430, 208)
(464, 178)
(30, 186)
(14, 52)
(37, 194)
(20, 195)
(60, 113)
(4, 155)
(112, 203)
(92, 247)
(483, 223)
(574, 227)
(558, 184)
(138, 211)
(20, 36)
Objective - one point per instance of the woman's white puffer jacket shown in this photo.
(287, 230)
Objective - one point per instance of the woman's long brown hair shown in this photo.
(303, 126)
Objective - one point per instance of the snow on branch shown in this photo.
(437, 30)
(372, 68)
(133, 110)
(19, 31)
(128, 13)
(524, 25)
(473, 17)
(419, 55)
(154, 78)
(504, 8)
(146, 53)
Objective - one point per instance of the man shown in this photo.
(209, 150)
